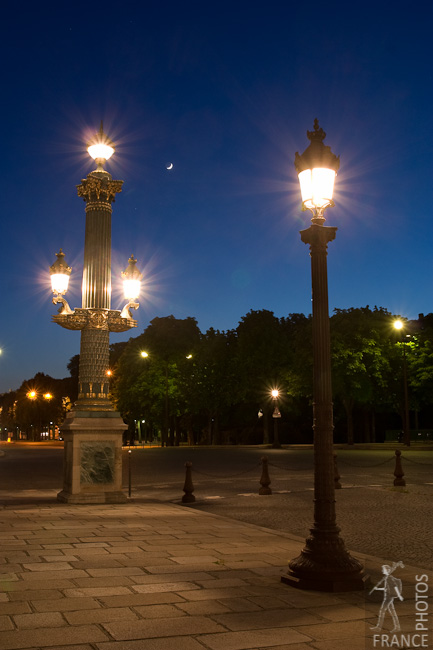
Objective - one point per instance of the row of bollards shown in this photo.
(265, 480)
(398, 472)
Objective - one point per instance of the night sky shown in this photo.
(226, 92)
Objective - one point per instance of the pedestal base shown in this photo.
(92, 463)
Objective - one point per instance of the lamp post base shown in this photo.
(92, 465)
(325, 565)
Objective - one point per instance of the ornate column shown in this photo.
(92, 430)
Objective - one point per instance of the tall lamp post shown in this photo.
(324, 563)
(92, 429)
(399, 326)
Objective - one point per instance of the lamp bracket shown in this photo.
(65, 308)
(125, 313)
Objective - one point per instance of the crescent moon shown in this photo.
(169, 166)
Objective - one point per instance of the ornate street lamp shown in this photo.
(131, 286)
(93, 430)
(324, 564)
(60, 273)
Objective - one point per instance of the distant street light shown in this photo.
(93, 430)
(35, 397)
(324, 564)
(399, 326)
(276, 415)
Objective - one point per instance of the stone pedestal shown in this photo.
(92, 464)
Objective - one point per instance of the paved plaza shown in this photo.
(158, 576)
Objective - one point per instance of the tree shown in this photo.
(7, 410)
(152, 384)
(211, 386)
(363, 359)
(419, 357)
(262, 356)
(38, 404)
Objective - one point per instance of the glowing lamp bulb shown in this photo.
(275, 393)
(131, 280)
(131, 289)
(100, 147)
(100, 151)
(317, 187)
(60, 273)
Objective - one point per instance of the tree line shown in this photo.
(174, 384)
(215, 387)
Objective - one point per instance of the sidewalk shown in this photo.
(156, 576)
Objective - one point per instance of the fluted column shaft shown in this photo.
(99, 191)
(96, 288)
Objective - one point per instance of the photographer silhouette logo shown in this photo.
(391, 586)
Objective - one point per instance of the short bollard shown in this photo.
(337, 484)
(188, 488)
(265, 481)
(398, 472)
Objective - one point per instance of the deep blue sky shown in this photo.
(226, 92)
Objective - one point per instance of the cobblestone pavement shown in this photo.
(397, 525)
(374, 516)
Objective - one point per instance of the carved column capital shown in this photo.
(99, 189)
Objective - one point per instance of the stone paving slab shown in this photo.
(155, 576)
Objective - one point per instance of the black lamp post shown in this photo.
(324, 564)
